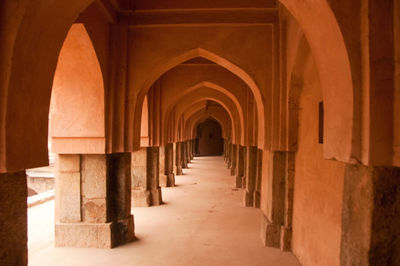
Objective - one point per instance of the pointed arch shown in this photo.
(200, 52)
(331, 56)
(77, 110)
(213, 86)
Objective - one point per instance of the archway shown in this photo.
(210, 142)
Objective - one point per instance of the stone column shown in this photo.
(183, 154)
(188, 157)
(178, 156)
(257, 192)
(371, 216)
(228, 159)
(286, 229)
(273, 221)
(224, 151)
(251, 172)
(93, 200)
(240, 166)
(145, 179)
(192, 149)
(233, 159)
(174, 158)
(13, 219)
(169, 165)
(163, 178)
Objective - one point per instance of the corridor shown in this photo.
(214, 228)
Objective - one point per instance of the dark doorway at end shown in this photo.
(209, 141)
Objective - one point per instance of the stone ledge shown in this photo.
(40, 198)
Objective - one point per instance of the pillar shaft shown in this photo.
(13, 219)
(162, 175)
(229, 152)
(93, 200)
(371, 216)
(240, 166)
(276, 224)
(184, 155)
(251, 173)
(188, 145)
(224, 153)
(145, 177)
(174, 157)
(178, 156)
(192, 149)
(257, 192)
(233, 159)
(169, 166)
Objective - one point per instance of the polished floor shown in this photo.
(201, 223)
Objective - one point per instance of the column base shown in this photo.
(179, 170)
(156, 198)
(248, 198)
(233, 171)
(243, 182)
(141, 198)
(163, 181)
(184, 165)
(171, 180)
(270, 233)
(257, 199)
(286, 238)
(96, 235)
(167, 180)
(239, 181)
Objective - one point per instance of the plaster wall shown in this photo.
(318, 186)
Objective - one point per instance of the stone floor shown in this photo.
(201, 223)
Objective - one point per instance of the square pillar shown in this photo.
(13, 219)
(272, 224)
(163, 179)
(224, 151)
(169, 166)
(371, 216)
(229, 155)
(188, 145)
(233, 159)
(240, 166)
(251, 172)
(183, 154)
(145, 177)
(93, 200)
(178, 156)
(257, 192)
(192, 149)
(174, 158)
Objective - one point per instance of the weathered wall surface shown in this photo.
(318, 186)
(13, 219)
